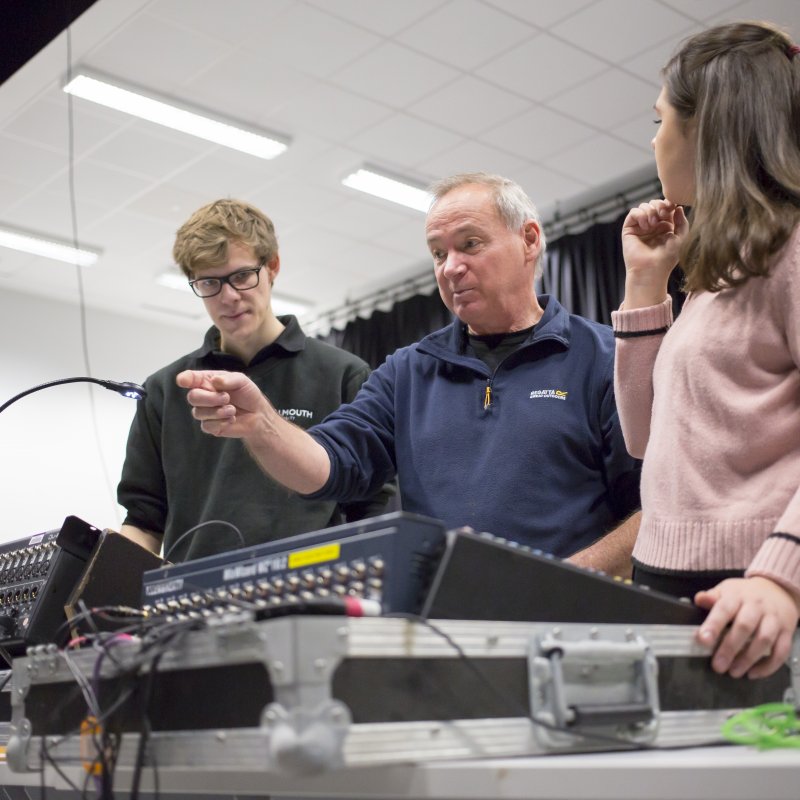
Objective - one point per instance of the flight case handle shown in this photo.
(595, 686)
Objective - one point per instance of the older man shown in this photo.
(504, 421)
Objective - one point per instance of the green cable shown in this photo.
(767, 726)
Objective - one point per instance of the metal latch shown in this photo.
(302, 741)
(596, 690)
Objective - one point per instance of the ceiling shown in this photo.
(556, 95)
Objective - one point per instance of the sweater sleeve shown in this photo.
(639, 334)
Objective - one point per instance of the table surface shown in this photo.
(700, 773)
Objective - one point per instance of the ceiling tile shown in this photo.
(615, 29)
(48, 123)
(332, 281)
(172, 56)
(540, 14)
(300, 249)
(209, 19)
(785, 13)
(537, 133)
(599, 160)
(311, 40)
(131, 234)
(176, 301)
(294, 207)
(336, 114)
(638, 131)
(217, 87)
(648, 64)
(385, 17)
(374, 261)
(468, 106)
(169, 203)
(409, 238)
(27, 163)
(394, 75)
(146, 150)
(224, 173)
(402, 139)
(545, 187)
(14, 263)
(472, 156)
(11, 192)
(609, 99)
(49, 213)
(50, 277)
(100, 184)
(457, 33)
(704, 10)
(165, 308)
(298, 161)
(324, 73)
(360, 219)
(540, 67)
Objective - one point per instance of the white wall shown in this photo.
(51, 464)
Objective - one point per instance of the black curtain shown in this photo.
(406, 322)
(583, 271)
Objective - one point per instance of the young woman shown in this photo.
(712, 402)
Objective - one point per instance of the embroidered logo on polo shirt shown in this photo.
(296, 413)
(549, 394)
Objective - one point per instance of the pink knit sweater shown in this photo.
(712, 403)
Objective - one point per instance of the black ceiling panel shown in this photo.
(26, 26)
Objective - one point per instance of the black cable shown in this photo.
(73, 206)
(78, 269)
(196, 528)
(42, 785)
(144, 733)
(85, 612)
(45, 755)
(76, 619)
(154, 644)
(153, 647)
(88, 615)
(87, 779)
(125, 388)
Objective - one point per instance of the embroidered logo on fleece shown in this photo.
(549, 394)
(296, 413)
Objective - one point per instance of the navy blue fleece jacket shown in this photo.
(543, 464)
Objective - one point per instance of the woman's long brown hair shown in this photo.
(740, 85)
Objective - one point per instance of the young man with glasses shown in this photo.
(174, 477)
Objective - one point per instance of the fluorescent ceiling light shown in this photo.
(281, 304)
(173, 116)
(173, 279)
(29, 243)
(389, 188)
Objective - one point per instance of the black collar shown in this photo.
(291, 340)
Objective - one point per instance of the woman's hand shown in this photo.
(652, 235)
(762, 617)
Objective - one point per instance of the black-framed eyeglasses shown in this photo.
(241, 280)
